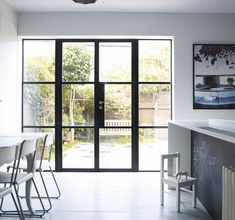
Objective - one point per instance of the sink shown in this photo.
(228, 133)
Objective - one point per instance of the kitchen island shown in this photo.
(205, 147)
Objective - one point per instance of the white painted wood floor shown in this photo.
(116, 196)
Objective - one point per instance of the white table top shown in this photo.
(11, 139)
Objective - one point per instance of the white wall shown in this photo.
(9, 108)
(185, 28)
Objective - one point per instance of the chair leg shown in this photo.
(194, 196)
(2, 199)
(18, 200)
(46, 191)
(57, 186)
(20, 213)
(1, 204)
(162, 193)
(24, 212)
(18, 207)
(178, 198)
(40, 199)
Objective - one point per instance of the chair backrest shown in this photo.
(49, 139)
(45, 151)
(8, 154)
(28, 147)
(173, 163)
(48, 143)
(28, 150)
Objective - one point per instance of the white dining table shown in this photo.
(10, 139)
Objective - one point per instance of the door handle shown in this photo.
(101, 105)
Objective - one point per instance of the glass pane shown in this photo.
(152, 143)
(46, 151)
(115, 62)
(78, 62)
(39, 60)
(78, 148)
(39, 104)
(154, 105)
(154, 60)
(115, 148)
(78, 104)
(117, 105)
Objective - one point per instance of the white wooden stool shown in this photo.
(172, 181)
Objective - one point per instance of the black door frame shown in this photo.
(97, 84)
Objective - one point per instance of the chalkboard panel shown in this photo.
(209, 155)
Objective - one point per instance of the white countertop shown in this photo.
(221, 129)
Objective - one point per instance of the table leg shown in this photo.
(178, 198)
(28, 186)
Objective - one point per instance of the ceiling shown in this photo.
(171, 6)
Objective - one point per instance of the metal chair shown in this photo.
(9, 155)
(27, 150)
(43, 157)
(45, 165)
(173, 180)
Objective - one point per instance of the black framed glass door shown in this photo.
(96, 105)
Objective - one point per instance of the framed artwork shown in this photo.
(214, 76)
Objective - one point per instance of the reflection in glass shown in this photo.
(152, 143)
(39, 104)
(115, 148)
(115, 62)
(78, 62)
(78, 148)
(118, 105)
(154, 60)
(154, 104)
(39, 60)
(78, 104)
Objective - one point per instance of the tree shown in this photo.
(40, 97)
(154, 66)
(154, 61)
(215, 52)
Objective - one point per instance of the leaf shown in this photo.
(197, 58)
(213, 61)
